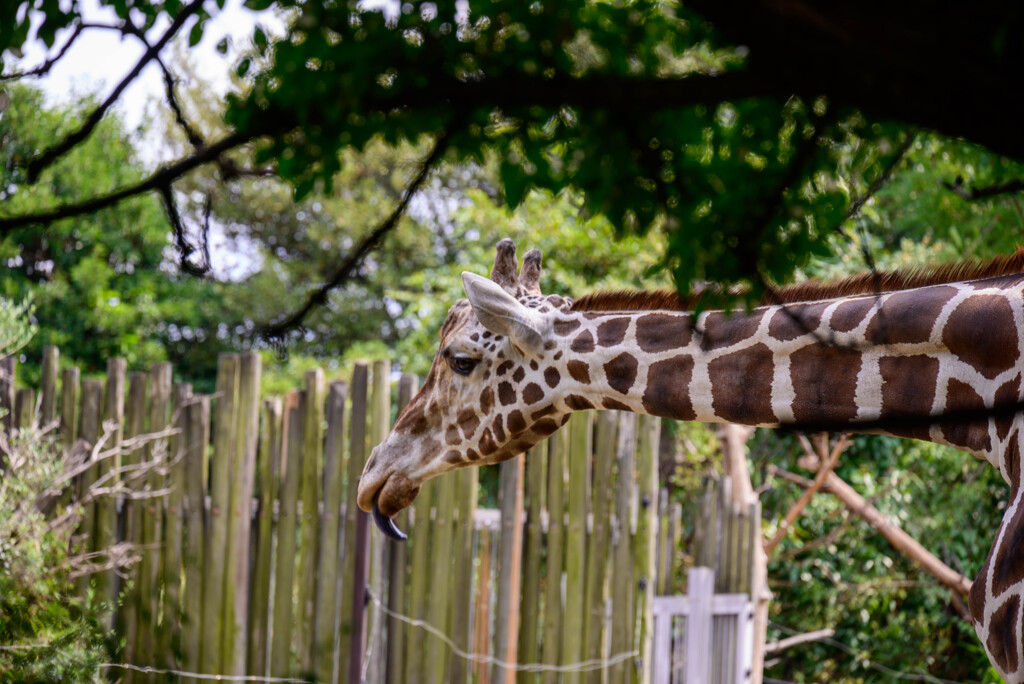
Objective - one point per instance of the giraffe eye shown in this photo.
(463, 365)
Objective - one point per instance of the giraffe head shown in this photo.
(490, 394)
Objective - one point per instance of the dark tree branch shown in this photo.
(185, 248)
(1008, 188)
(883, 179)
(274, 332)
(157, 180)
(49, 63)
(37, 165)
(194, 138)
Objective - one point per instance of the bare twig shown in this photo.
(46, 158)
(276, 330)
(828, 462)
(783, 644)
(881, 181)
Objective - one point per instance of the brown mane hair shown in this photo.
(811, 290)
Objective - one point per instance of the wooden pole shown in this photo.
(174, 528)
(327, 566)
(131, 516)
(466, 485)
(198, 427)
(48, 399)
(576, 540)
(440, 569)
(106, 506)
(380, 546)
(597, 557)
(646, 531)
(558, 480)
(92, 400)
(287, 531)
(506, 628)
(623, 581)
(309, 516)
(269, 467)
(533, 493)
(352, 596)
(70, 398)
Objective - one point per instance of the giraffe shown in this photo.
(931, 355)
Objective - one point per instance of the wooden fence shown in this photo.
(254, 562)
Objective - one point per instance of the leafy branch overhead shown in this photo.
(747, 134)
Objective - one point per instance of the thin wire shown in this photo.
(214, 677)
(896, 674)
(584, 666)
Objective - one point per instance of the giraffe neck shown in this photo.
(916, 363)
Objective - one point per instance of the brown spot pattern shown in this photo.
(499, 428)
(504, 367)
(451, 435)
(469, 421)
(578, 403)
(1006, 396)
(506, 394)
(546, 411)
(583, 343)
(453, 457)
(613, 405)
(908, 317)
(552, 377)
(516, 422)
(487, 445)
(1002, 635)
(579, 371)
(668, 387)
(564, 327)
(795, 320)
(545, 427)
(486, 400)
(621, 372)
(532, 393)
(734, 379)
(849, 315)
(722, 330)
(519, 375)
(908, 390)
(612, 332)
(968, 434)
(824, 380)
(660, 332)
(982, 333)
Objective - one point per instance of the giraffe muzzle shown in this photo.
(386, 524)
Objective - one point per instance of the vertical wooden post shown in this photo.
(174, 529)
(397, 581)
(215, 595)
(597, 553)
(131, 515)
(440, 564)
(576, 539)
(351, 595)
(533, 492)
(287, 530)
(106, 506)
(269, 467)
(417, 640)
(466, 486)
(243, 475)
(309, 495)
(357, 619)
(48, 401)
(506, 632)
(327, 566)
(701, 591)
(150, 519)
(622, 549)
(558, 450)
(24, 408)
(92, 399)
(664, 564)
(70, 396)
(198, 439)
(482, 620)
(646, 530)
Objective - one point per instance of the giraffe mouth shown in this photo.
(386, 524)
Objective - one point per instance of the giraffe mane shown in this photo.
(879, 282)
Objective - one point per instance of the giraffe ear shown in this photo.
(503, 314)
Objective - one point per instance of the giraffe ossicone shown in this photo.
(937, 356)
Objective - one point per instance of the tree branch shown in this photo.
(984, 192)
(827, 463)
(276, 330)
(881, 181)
(161, 177)
(46, 158)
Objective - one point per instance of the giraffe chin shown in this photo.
(386, 524)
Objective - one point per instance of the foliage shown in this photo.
(100, 284)
(45, 634)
